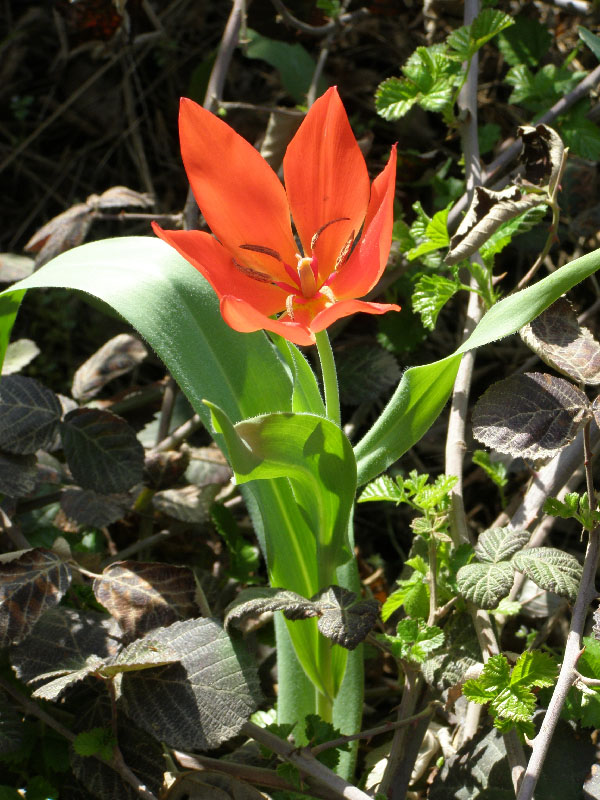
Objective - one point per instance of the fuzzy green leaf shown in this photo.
(466, 41)
(534, 668)
(431, 294)
(551, 569)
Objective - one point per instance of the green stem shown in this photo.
(330, 384)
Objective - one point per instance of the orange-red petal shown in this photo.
(243, 317)
(363, 269)
(216, 264)
(240, 196)
(326, 179)
(346, 308)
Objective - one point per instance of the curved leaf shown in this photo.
(423, 391)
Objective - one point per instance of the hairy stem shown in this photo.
(330, 384)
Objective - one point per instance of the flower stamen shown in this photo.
(315, 238)
(306, 274)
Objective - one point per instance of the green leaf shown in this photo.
(100, 741)
(534, 668)
(580, 134)
(488, 135)
(293, 62)
(538, 91)
(495, 470)
(508, 230)
(495, 675)
(315, 456)
(551, 569)
(566, 510)
(305, 389)
(515, 703)
(423, 391)
(414, 640)
(485, 584)
(500, 544)
(435, 235)
(430, 77)
(526, 42)
(466, 41)
(431, 294)
(592, 41)
(383, 488)
(413, 594)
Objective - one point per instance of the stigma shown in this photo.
(307, 275)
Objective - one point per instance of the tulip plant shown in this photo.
(227, 312)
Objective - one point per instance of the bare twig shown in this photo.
(305, 762)
(568, 673)
(318, 30)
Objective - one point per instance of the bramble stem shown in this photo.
(330, 384)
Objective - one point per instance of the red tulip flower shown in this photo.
(252, 262)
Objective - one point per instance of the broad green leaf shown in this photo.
(176, 312)
(436, 235)
(496, 674)
(552, 569)
(413, 594)
(293, 62)
(525, 42)
(423, 391)
(485, 584)
(315, 456)
(534, 668)
(592, 41)
(414, 640)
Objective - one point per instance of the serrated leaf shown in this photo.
(144, 653)
(343, 618)
(534, 668)
(141, 752)
(413, 594)
(495, 675)
(500, 544)
(466, 41)
(487, 212)
(55, 686)
(514, 703)
(382, 488)
(448, 665)
(566, 510)
(414, 640)
(526, 42)
(532, 415)
(17, 474)
(63, 639)
(265, 599)
(120, 197)
(435, 235)
(118, 356)
(430, 295)
(551, 569)
(522, 223)
(29, 586)
(29, 415)
(557, 338)
(142, 596)
(485, 584)
(495, 470)
(86, 507)
(102, 450)
(200, 701)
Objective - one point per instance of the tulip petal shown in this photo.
(243, 317)
(363, 269)
(346, 308)
(326, 179)
(240, 196)
(210, 258)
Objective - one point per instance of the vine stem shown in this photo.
(330, 383)
(568, 673)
